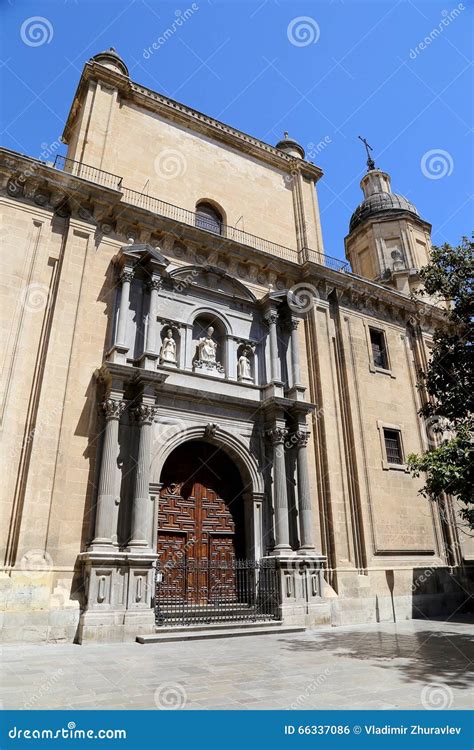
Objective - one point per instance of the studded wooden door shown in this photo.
(199, 524)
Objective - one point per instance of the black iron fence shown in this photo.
(191, 592)
(86, 172)
(184, 216)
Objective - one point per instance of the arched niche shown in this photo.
(208, 329)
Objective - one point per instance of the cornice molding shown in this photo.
(382, 218)
(191, 118)
(115, 221)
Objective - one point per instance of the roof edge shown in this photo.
(192, 118)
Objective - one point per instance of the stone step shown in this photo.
(230, 630)
(234, 613)
(222, 625)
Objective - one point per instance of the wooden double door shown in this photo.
(200, 524)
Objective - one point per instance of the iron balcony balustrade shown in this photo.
(86, 172)
(190, 218)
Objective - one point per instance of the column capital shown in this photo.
(145, 413)
(154, 284)
(300, 438)
(276, 435)
(271, 316)
(126, 274)
(294, 322)
(113, 408)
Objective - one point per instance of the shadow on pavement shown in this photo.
(428, 655)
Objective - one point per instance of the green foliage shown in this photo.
(449, 469)
(449, 381)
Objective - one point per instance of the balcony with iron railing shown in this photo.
(190, 218)
(86, 172)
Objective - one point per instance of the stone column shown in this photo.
(295, 360)
(190, 347)
(271, 317)
(277, 436)
(126, 278)
(142, 506)
(231, 357)
(107, 497)
(154, 286)
(304, 495)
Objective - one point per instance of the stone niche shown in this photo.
(209, 337)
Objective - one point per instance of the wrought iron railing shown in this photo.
(86, 172)
(325, 260)
(184, 216)
(190, 592)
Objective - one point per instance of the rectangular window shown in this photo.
(393, 446)
(379, 348)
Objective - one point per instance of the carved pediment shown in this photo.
(143, 252)
(214, 278)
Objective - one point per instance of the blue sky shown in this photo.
(325, 71)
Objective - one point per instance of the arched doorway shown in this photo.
(201, 522)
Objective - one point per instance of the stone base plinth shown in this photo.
(119, 589)
(301, 590)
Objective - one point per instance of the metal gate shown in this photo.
(190, 592)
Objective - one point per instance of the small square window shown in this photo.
(379, 348)
(393, 446)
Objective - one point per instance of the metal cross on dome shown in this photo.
(368, 148)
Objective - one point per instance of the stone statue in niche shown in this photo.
(244, 370)
(206, 361)
(168, 349)
(207, 347)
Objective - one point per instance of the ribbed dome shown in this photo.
(380, 203)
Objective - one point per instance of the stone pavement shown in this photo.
(412, 664)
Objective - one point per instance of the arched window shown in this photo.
(207, 217)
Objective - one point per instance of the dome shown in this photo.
(380, 203)
(291, 147)
(111, 59)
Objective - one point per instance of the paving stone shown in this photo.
(375, 667)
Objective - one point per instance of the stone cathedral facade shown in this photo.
(190, 383)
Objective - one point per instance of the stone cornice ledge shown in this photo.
(173, 110)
